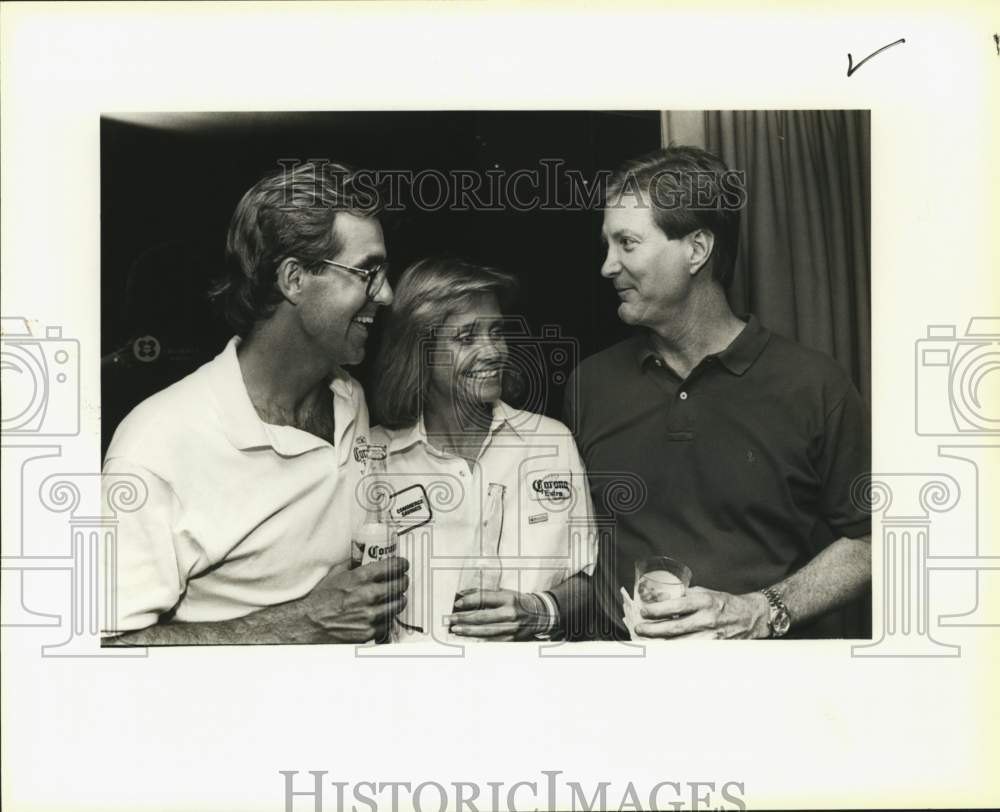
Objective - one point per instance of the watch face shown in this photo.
(781, 623)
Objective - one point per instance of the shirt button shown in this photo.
(684, 395)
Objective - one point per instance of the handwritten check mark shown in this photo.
(851, 67)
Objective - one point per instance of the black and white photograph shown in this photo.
(495, 376)
(493, 407)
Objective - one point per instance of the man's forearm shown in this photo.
(838, 574)
(273, 624)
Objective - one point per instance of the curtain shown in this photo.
(803, 264)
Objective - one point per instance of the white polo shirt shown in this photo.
(240, 514)
(542, 532)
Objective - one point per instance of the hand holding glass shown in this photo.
(657, 579)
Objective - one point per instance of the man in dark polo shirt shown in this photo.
(747, 443)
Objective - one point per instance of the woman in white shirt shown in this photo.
(490, 502)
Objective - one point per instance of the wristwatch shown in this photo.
(779, 621)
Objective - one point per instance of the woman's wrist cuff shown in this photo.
(551, 611)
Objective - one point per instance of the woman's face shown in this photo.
(467, 365)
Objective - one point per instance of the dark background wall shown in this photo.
(169, 183)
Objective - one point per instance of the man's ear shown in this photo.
(700, 242)
(290, 277)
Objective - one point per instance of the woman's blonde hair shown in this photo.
(427, 294)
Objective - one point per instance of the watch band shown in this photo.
(779, 621)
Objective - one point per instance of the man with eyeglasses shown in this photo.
(252, 462)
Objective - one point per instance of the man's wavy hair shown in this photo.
(427, 294)
(287, 213)
(669, 176)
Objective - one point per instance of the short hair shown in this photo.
(427, 294)
(689, 189)
(287, 213)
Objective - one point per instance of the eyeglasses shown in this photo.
(374, 277)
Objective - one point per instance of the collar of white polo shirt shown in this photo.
(503, 416)
(244, 428)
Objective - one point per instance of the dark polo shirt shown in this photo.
(746, 465)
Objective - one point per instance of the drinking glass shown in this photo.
(660, 578)
(657, 578)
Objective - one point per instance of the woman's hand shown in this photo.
(498, 614)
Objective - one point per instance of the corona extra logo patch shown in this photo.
(554, 488)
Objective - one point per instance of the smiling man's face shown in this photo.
(336, 313)
(650, 272)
